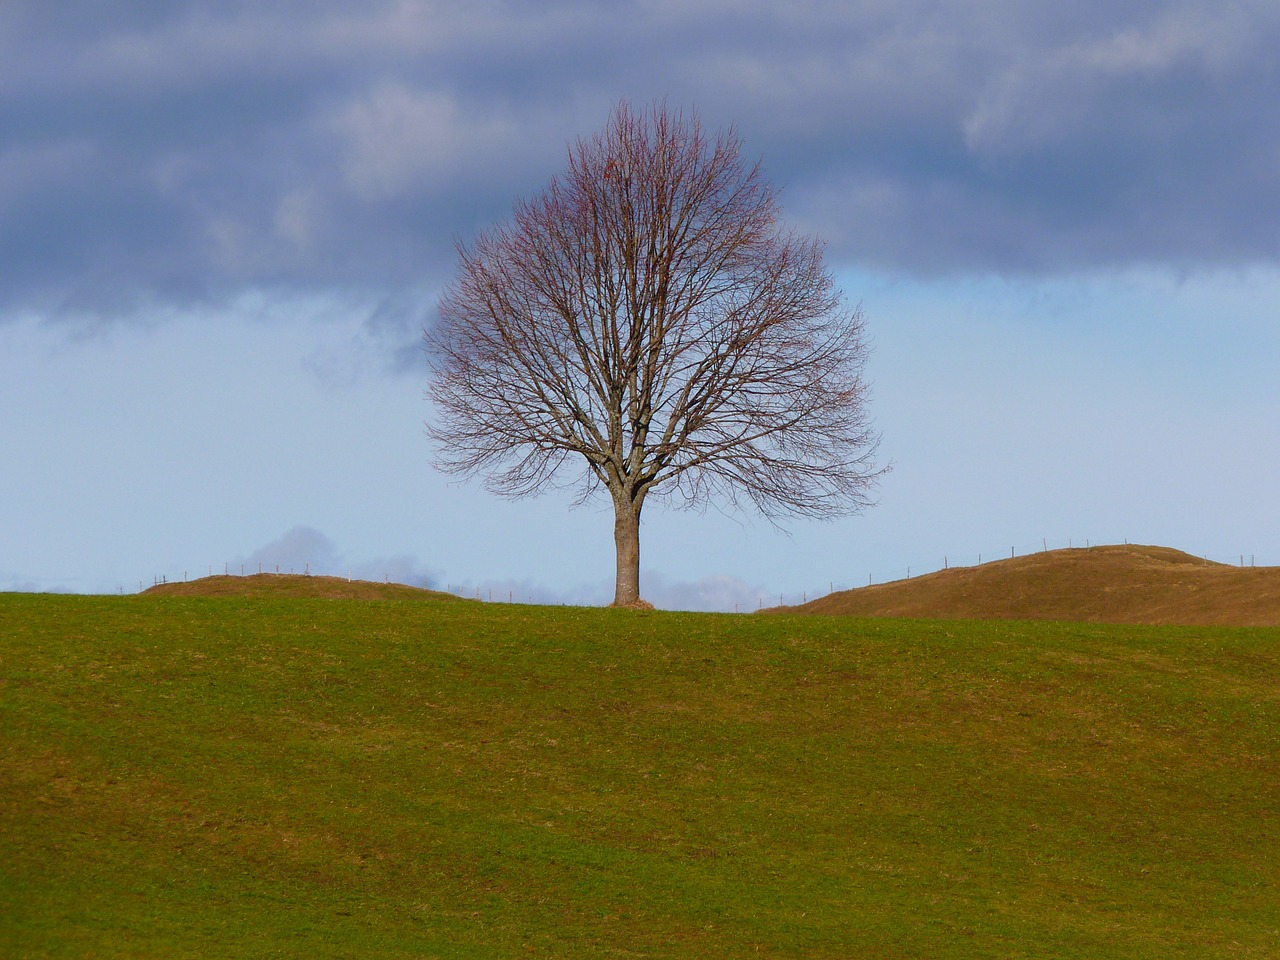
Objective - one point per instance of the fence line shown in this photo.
(949, 562)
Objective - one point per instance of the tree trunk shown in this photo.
(626, 537)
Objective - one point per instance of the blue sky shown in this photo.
(224, 226)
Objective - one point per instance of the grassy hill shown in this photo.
(1112, 584)
(297, 777)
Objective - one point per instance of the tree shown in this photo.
(644, 326)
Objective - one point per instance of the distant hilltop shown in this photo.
(294, 585)
(1111, 584)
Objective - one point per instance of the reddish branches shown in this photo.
(645, 320)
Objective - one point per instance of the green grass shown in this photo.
(214, 777)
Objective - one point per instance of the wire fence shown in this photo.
(238, 569)
(351, 575)
(745, 604)
(967, 559)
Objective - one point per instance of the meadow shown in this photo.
(292, 776)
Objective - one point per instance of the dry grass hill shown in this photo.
(293, 585)
(1111, 584)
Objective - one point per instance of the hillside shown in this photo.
(266, 585)
(280, 777)
(1108, 584)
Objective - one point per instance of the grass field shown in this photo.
(300, 777)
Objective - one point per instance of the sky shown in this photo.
(225, 226)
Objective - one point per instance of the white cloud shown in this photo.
(528, 590)
(715, 593)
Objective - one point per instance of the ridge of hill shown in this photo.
(263, 585)
(1130, 584)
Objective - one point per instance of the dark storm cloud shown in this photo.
(188, 151)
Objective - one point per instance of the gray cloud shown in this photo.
(188, 151)
(16, 583)
(305, 549)
(295, 551)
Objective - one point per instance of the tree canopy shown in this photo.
(644, 326)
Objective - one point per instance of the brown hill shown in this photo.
(295, 585)
(1112, 584)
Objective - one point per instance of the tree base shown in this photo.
(636, 604)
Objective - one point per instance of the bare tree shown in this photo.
(643, 325)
